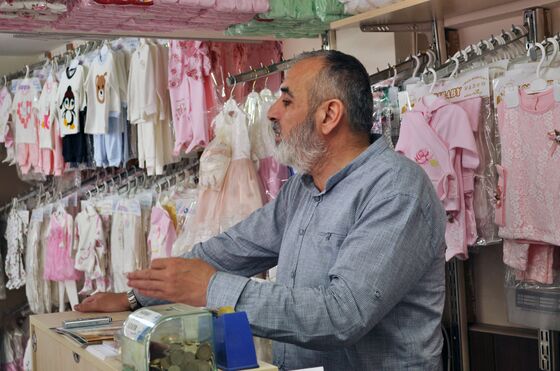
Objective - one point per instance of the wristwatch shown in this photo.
(132, 302)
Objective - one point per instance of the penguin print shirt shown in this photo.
(70, 99)
(24, 111)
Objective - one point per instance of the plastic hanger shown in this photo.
(539, 84)
(26, 71)
(394, 76)
(555, 47)
(456, 69)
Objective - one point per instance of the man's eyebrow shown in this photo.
(286, 90)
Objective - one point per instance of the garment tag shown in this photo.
(47, 209)
(139, 323)
(105, 206)
(556, 90)
(146, 200)
(404, 102)
(511, 96)
(37, 215)
(24, 215)
(129, 207)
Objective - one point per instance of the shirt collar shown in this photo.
(373, 150)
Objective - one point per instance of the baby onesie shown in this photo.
(70, 100)
(128, 243)
(162, 234)
(91, 250)
(26, 123)
(46, 111)
(438, 136)
(59, 263)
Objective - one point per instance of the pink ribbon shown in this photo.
(554, 136)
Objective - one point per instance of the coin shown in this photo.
(176, 356)
(189, 366)
(203, 366)
(165, 362)
(188, 356)
(204, 352)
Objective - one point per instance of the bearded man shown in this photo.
(357, 237)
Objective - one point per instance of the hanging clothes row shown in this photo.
(129, 99)
(487, 138)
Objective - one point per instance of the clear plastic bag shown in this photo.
(214, 163)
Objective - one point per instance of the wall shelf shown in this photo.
(455, 13)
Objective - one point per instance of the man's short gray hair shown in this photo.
(343, 77)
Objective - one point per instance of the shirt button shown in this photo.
(301, 232)
(293, 274)
(317, 198)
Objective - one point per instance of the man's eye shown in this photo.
(286, 102)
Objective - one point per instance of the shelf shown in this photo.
(454, 13)
(404, 11)
(506, 331)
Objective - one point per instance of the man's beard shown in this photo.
(303, 148)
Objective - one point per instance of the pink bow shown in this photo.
(554, 136)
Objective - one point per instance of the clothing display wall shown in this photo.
(129, 100)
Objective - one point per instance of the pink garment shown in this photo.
(439, 138)
(28, 157)
(473, 108)
(189, 65)
(532, 262)
(59, 263)
(233, 58)
(528, 206)
(273, 176)
(162, 234)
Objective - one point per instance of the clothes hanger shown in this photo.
(456, 68)
(26, 71)
(539, 84)
(555, 47)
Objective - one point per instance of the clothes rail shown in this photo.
(258, 73)
(82, 49)
(405, 69)
(50, 188)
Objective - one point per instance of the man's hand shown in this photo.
(104, 302)
(177, 280)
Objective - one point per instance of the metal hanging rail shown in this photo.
(404, 69)
(260, 72)
(82, 49)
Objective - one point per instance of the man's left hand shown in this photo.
(177, 280)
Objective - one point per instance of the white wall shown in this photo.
(9, 64)
(372, 49)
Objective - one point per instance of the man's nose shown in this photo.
(273, 113)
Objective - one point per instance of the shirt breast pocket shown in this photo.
(326, 248)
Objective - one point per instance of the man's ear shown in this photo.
(329, 115)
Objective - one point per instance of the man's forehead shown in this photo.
(300, 73)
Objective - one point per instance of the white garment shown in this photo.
(360, 6)
(16, 230)
(24, 111)
(102, 90)
(149, 108)
(5, 108)
(46, 111)
(70, 99)
(32, 252)
(142, 96)
(128, 243)
(91, 250)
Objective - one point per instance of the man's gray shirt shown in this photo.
(360, 277)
